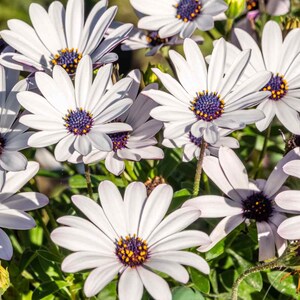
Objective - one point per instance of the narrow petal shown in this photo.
(155, 285)
(265, 240)
(130, 285)
(6, 249)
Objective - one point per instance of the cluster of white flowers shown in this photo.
(92, 118)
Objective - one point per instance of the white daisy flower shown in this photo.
(135, 145)
(79, 117)
(183, 17)
(206, 100)
(191, 145)
(13, 206)
(282, 59)
(62, 37)
(273, 7)
(244, 201)
(140, 39)
(130, 238)
(290, 200)
(13, 137)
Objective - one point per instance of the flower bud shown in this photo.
(235, 8)
(4, 280)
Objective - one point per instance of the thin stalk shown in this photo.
(199, 169)
(51, 217)
(265, 266)
(88, 180)
(263, 152)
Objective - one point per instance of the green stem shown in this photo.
(265, 266)
(263, 152)
(88, 180)
(51, 217)
(229, 24)
(199, 169)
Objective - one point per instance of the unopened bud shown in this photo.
(235, 8)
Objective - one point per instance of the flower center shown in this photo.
(258, 207)
(2, 144)
(252, 5)
(154, 39)
(78, 121)
(207, 106)
(188, 10)
(195, 140)
(119, 140)
(132, 251)
(68, 59)
(277, 86)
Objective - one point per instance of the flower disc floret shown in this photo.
(277, 86)
(78, 121)
(119, 140)
(252, 5)
(68, 59)
(207, 106)
(153, 39)
(132, 251)
(258, 207)
(188, 10)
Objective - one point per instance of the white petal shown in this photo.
(6, 249)
(174, 222)
(222, 229)
(216, 66)
(134, 200)
(65, 148)
(46, 138)
(181, 240)
(155, 209)
(84, 260)
(25, 201)
(83, 145)
(83, 81)
(113, 206)
(184, 258)
(155, 285)
(271, 45)
(265, 240)
(15, 219)
(13, 161)
(74, 22)
(278, 176)
(287, 228)
(292, 168)
(289, 200)
(130, 285)
(212, 168)
(100, 277)
(100, 140)
(114, 164)
(94, 212)
(175, 270)
(268, 108)
(214, 206)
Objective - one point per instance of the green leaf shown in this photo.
(227, 278)
(200, 281)
(179, 198)
(285, 285)
(255, 279)
(185, 293)
(216, 251)
(48, 289)
(48, 256)
(77, 182)
(109, 292)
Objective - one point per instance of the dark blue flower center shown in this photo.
(207, 106)
(188, 10)
(195, 140)
(131, 251)
(2, 144)
(68, 59)
(78, 121)
(277, 86)
(154, 39)
(252, 5)
(258, 207)
(119, 140)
